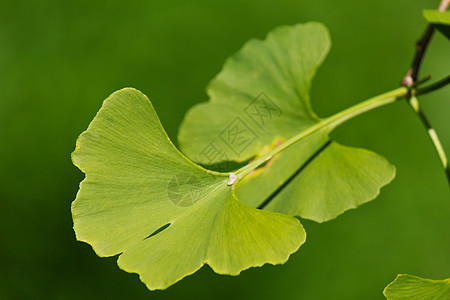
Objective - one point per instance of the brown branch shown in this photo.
(444, 5)
(421, 45)
(410, 81)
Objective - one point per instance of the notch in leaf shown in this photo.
(164, 215)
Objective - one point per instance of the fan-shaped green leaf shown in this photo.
(163, 214)
(408, 287)
(261, 99)
(439, 19)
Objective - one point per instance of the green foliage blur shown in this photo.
(60, 59)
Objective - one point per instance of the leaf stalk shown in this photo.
(327, 124)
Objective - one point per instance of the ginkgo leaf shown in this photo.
(165, 216)
(261, 99)
(439, 19)
(408, 287)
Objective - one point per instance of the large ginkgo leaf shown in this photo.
(408, 287)
(261, 99)
(163, 214)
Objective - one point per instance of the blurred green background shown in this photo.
(60, 59)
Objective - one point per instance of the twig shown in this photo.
(421, 45)
(420, 81)
(410, 81)
(411, 76)
(412, 101)
(444, 5)
(434, 86)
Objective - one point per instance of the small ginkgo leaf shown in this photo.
(408, 287)
(261, 99)
(439, 19)
(163, 214)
